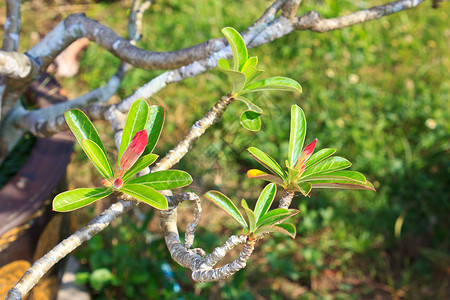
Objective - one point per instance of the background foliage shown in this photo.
(378, 92)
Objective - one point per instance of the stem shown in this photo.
(286, 199)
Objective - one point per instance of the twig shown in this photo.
(42, 265)
(12, 26)
(174, 155)
(314, 22)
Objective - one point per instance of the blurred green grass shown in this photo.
(377, 91)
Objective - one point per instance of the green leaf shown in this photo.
(330, 164)
(319, 156)
(136, 120)
(146, 194)
(265, 200)
(275, 216)
(237, 79)
(164, 180)
(258, 174)
(267, 162)
(97, 157)
(251, 62)
(141, 163)
(285, 228)
(338, 175)
(155, 122)
(293, 174)
(274, 84)
(75, 199)
(250, 105)
(238, 47)
(250, 70)
(251, 75)
(297, 135)
(342, 184)
(223, 64)
(250, 120)
(82, 127)
(288, 228)
(250, 215)
(226, 204)
(303, 187)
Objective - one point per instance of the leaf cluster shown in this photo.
(244, 75)
(145, 188)
(260, 220)
(305, 170)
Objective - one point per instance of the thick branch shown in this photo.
(15, 65)
(78, 25)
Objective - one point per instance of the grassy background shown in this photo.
(377, 91)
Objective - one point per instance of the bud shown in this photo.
(310, 148)
(118, 183)
(133, 151)
(306, 153)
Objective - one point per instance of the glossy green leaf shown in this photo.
(297, 135)
(250, 105)
(251, 75)
(265, 200)
(237, 79)
(82, 127)
(288, 228)
(303, 187)
(250, 215)
(250, 70)
(136, 120)
(330, 164)
(146, 194)
(267, 162)
(154, 125)
(97, 157)
(226, 204)
(223, 64)
(141, 163)
(342, 184)
(258, 174)
(78, 198)
(238, 47)
(276, 215)
(274, 84)
(293, 174)
(250, 120)
(285, 228)
(164, 180)
(251, 62)
(319, 156)
(338, 175)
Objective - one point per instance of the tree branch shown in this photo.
(290, 9)
(42, 265)
(199, 127)
(12, 26)
(314, 22)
